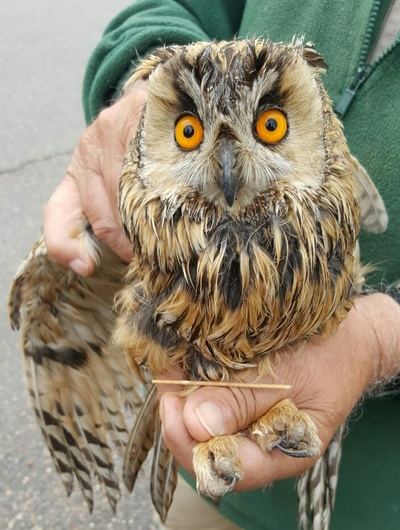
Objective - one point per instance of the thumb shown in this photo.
(211, 412)
(63, 218)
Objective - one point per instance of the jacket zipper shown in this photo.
(363, 69)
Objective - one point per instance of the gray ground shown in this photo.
(44, 46)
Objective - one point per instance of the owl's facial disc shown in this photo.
(228, 121)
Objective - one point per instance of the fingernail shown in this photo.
(79, 266)
(211, 418)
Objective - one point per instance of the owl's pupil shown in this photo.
(188, 131)
(271, 124)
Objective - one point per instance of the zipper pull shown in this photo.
(346, 98)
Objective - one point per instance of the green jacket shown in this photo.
(369, 493)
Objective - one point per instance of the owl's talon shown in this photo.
(217, 466)
(297, 453)
(288, 429)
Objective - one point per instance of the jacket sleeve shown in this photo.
(145, 25)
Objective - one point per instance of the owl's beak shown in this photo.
(228, 180)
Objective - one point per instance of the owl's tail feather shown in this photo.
(145, 434)
(163, 475)
(141, 439)
(316, 489)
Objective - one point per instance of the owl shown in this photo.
(243, 204)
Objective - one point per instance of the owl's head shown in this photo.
(227, 119)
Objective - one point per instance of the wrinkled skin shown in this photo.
(90, 186)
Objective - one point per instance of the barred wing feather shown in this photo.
(81, 388)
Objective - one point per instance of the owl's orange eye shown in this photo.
(271, 126)
(189, 132)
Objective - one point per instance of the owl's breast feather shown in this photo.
(224, 291)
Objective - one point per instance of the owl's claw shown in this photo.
(288, 429)
(217, 466)
(296, 452)
(284, 426)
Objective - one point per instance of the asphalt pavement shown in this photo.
(44, 47)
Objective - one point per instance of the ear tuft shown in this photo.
(312, 57)
(146, 66)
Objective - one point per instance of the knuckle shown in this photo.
(241, 407)
(86, 145)
(55, 246)
(170, 438)
(104, 229)
(51, 244)
(85, 139)
(105, 119)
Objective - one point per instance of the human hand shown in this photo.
(90, 187)
(328, 377)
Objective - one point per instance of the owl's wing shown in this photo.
(81, 388)
(374, 217)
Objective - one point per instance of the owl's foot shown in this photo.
(216, 462)
(217, 466)
(285, 427)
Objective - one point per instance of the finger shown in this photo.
(260, 469)
(213, 411)
(112, 234)
(122, 119)
(102, 218)
(175, 434)
(136, 98)
(63, 218)
(264, 467)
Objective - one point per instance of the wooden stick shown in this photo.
(186, 382)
